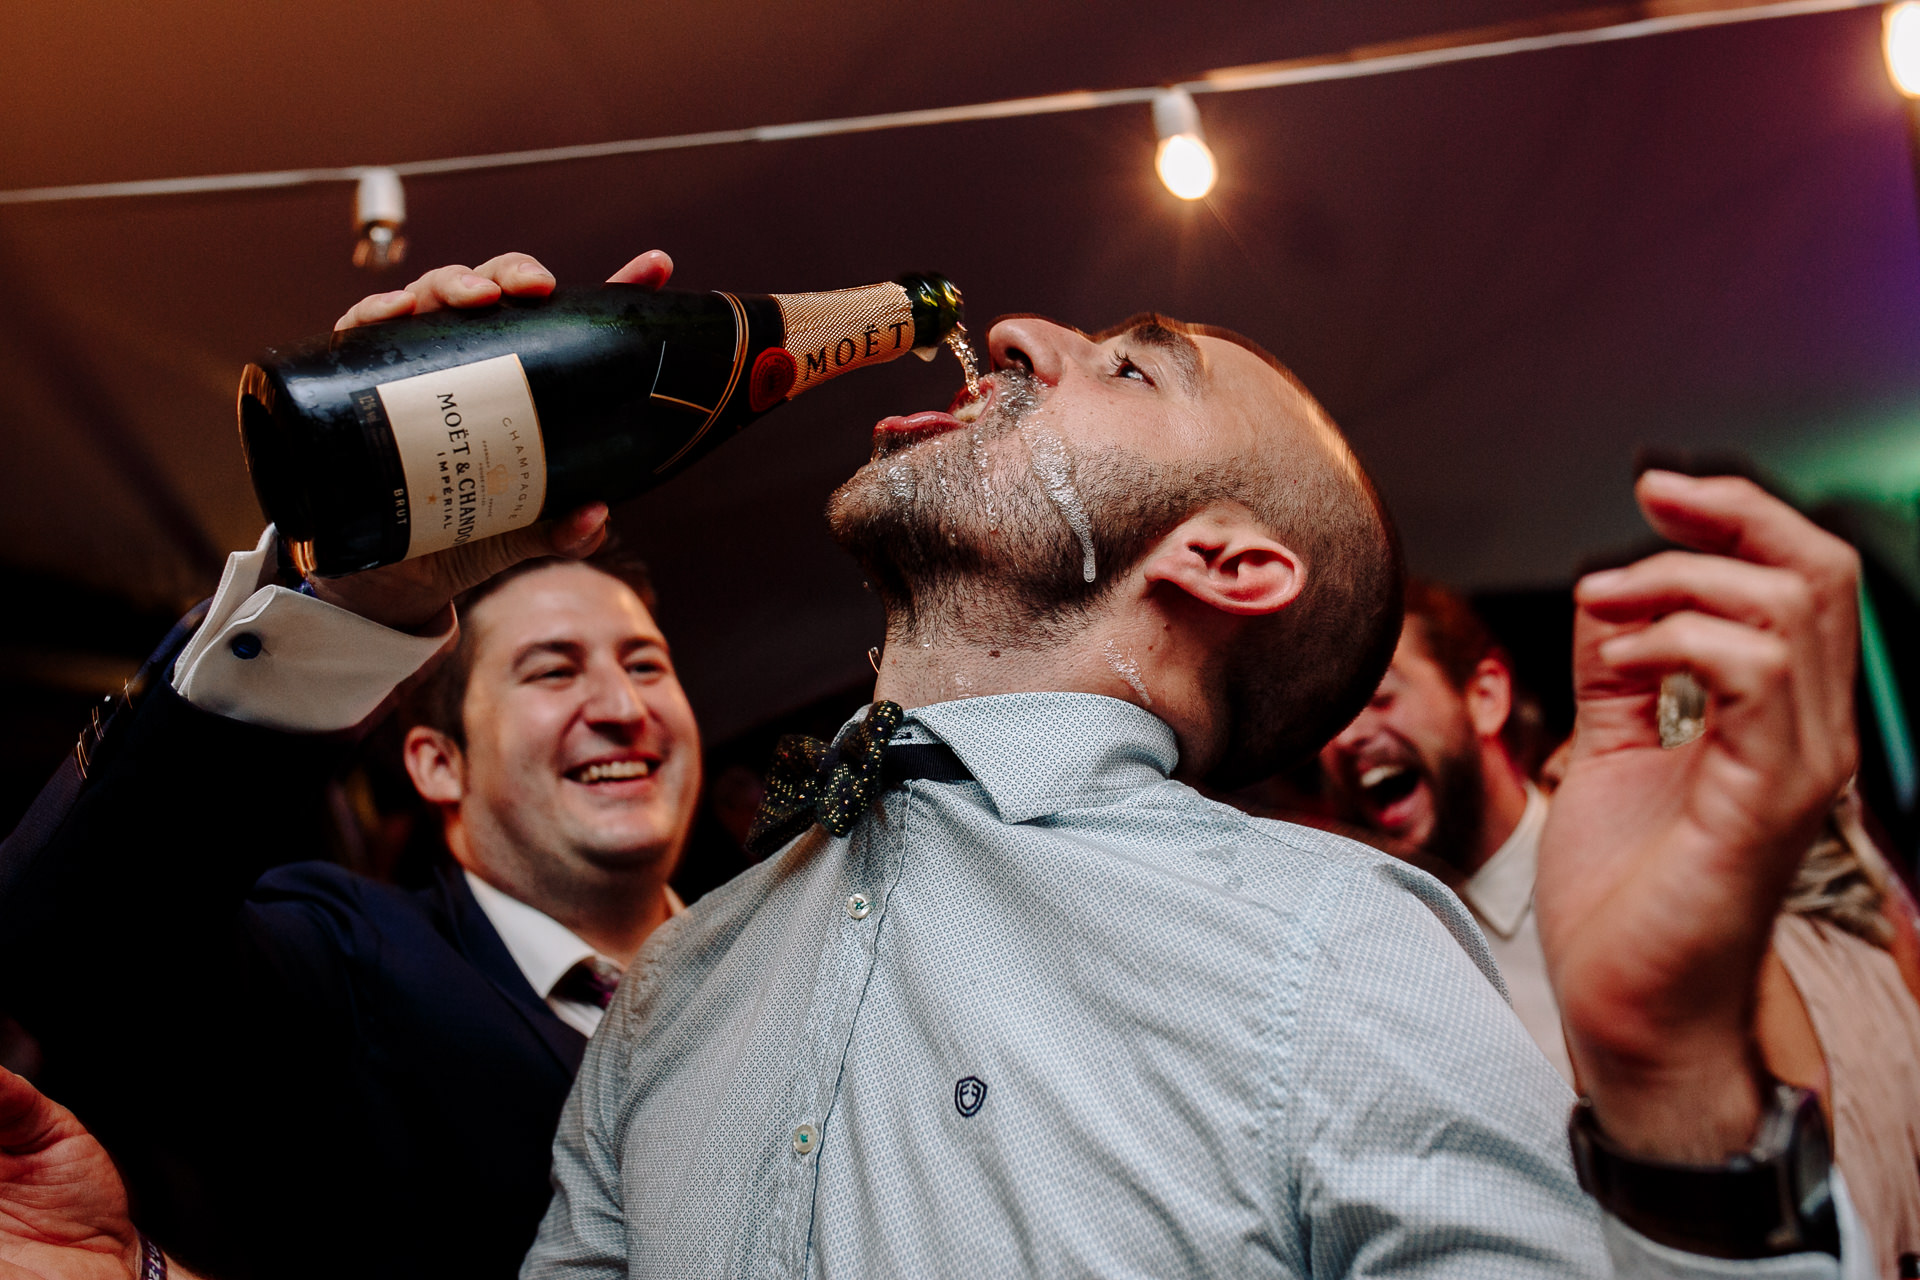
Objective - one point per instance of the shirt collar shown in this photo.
(541, 946)
(1040, 753)
(1501, 891)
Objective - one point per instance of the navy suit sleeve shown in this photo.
(152, 864)
(193, 1001)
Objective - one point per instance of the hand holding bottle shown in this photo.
(428, 433)
(412, 595)
(516, 275)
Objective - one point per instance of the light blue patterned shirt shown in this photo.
(1073, 1019)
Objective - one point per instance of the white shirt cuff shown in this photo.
(1637, 1257)
(283, 660)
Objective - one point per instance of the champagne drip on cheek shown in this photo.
(1050, 463)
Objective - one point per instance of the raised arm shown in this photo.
(130, 926)
(1662, 869)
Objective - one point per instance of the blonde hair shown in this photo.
(1841, 882)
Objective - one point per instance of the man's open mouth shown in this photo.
(1384, 785)
(966, 406)
(612, 770)
(901, 431)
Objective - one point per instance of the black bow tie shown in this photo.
(812, 782)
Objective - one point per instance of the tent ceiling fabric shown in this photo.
(1500, 277)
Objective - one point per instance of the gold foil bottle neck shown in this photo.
(830, 333)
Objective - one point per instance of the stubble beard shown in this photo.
(957, 533)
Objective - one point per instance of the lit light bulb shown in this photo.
(1901, 43)
(1183, 159)
(379, 211)
(1186, 166)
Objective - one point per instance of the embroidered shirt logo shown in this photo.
(969, 1092)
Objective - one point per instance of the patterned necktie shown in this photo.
(811, 782)
(591, 981)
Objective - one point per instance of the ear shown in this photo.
(1489, 697)
(1226, 560)
(436, 765)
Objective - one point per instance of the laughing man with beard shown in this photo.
(1430, 764)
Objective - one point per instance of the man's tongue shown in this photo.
(930, 422)
(1403, 814)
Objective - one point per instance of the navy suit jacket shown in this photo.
(299, 1070)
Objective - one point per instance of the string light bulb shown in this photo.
(379, 211)
(1900, 42)
(1183, 160)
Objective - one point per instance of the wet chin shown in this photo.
(863, 515)
(922, 520)
(893, 514)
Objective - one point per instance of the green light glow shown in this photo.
(1877, 459)
(1888, 711)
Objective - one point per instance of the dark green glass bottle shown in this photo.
(392, 440)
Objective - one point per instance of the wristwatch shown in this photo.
(1775, 1199)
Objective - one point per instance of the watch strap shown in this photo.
(1775, 1199)
(153, 1263)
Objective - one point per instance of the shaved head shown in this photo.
(1296, 678)
(1303, 674)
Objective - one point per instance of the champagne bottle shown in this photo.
(393, 440)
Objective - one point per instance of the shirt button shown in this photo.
(805, 1139)
(858, 906)
(245, 645)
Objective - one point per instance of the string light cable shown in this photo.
(1182, 150)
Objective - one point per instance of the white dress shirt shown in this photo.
(1500, 894)
(273, 657)
(547, 950)
(1071, 1018)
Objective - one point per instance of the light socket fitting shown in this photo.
(379, 212)
(1175, 112)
